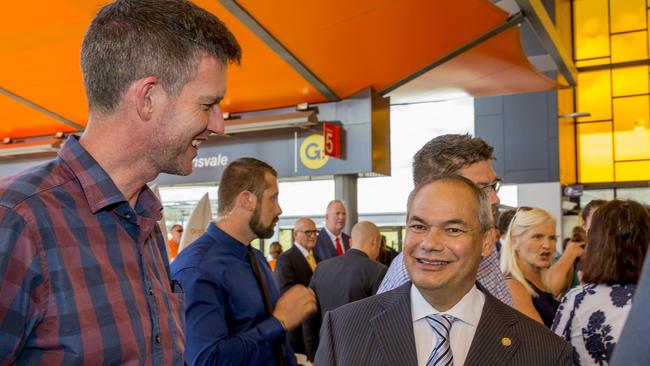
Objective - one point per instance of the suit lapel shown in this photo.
(494, 335)
(393, 328)
(300, 260)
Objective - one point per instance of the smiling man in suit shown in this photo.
(332, 241)
(442, 317)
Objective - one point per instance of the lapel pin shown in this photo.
(506, 341)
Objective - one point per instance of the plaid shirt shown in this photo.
(84, 278)
(489, 276)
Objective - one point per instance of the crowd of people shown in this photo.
(85, 276)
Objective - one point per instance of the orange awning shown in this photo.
(341, 46)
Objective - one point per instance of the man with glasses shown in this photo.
(470, 157)
(296, 266)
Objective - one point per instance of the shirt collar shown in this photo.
(227, 242)
(302, 249)
(98, 187)
(464, 310)
(332, 236)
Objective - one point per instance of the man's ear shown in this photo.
(247, 200)
(148, 96)
(489, 240)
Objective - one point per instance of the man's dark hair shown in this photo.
(447, 154)
(243, 174)
(592, 205)
(617, 243)
(132, 39)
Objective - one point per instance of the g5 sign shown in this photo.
(312, 153)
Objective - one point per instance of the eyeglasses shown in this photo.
(308, 232)
(496, 185)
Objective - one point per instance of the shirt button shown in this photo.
(150, 291)
(158, 339)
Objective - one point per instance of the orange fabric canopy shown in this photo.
(347, 45)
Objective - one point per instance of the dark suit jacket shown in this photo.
(291, 269)
(325, 248)
(379, 331)
(338, 281)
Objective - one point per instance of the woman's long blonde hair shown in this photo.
(524, 219)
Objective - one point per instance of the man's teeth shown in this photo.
(196, 143)
(437, 263)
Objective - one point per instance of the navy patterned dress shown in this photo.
(591, 317)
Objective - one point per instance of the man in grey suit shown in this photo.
(332, 241)
(344, 279)
(442, 317)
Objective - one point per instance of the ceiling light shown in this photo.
(271, 122)
(31, 147)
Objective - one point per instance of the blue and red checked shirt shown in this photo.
(84, 277)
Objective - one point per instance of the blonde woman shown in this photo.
(527, 252)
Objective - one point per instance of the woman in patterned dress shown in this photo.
(592, 316)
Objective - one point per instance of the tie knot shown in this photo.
(441, 323)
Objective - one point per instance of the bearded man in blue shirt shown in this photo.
(234, 312)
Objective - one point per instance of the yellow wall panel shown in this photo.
(591, 29)
(631, 171)
(630, 80)
(627, 15)
(631, 133)
(631, 46)
(595, 156)
(594, 95)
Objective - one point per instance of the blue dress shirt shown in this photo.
(226, 323)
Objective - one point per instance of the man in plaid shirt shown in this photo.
(470, 157)
(84, 276)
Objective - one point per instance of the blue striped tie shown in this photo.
(441, 354)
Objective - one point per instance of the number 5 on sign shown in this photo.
(332, 137)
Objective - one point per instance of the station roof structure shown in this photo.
(293, 52)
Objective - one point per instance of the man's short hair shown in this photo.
(592, 205)
(447, 154)
(243, 174)
(131, 39)
(485, 218)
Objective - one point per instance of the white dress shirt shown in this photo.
(333, 239)
(467, 312)
(302, 250)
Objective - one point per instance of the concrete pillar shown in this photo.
(345, 189)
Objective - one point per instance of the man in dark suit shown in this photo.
(441, 317)
(296, 266)
(332, 241)
(341, 280)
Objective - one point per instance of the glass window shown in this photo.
(595, 156)
(631, 46)
(591, 29)
(596, 194)
(641, 195)
(631, 134)
(630, 171)
(626, 15)
(630, 80)
(594, 95)
(286, 239)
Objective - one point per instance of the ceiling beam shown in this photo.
(544, 28)
(41, 109)
(279, 49)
